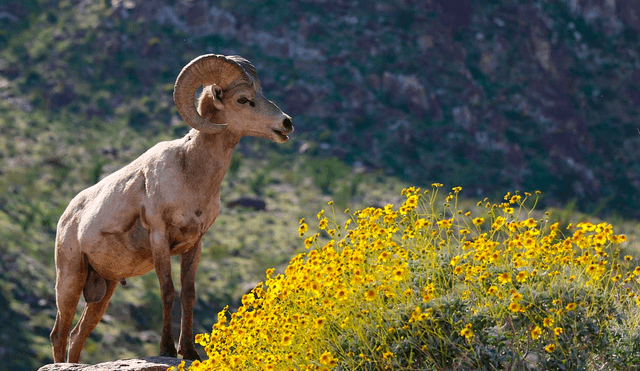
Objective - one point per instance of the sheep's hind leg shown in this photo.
(91, 316)
(70, 280)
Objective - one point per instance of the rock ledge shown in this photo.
(135, 364)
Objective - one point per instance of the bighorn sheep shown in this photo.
(159, 205)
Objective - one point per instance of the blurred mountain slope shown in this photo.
(489, 95)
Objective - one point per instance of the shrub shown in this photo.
(326, 172)
(427, 286)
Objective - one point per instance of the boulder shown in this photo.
(135, 364)
(256, 204)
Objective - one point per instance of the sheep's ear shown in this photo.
(217, 97)
(210, 101)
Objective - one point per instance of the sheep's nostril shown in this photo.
(287, 124)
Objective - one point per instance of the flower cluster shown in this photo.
(426, 285)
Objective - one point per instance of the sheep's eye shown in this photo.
(243, 100)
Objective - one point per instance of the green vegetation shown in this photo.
(86, 87)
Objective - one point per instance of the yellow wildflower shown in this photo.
(619, 238)
(504, 278)
(529, 223)
(467, 332)
(324, 222)
(302, 229)
(515, 307)
(319, 322)
(477, 221)
(454, 260)
(536, 332)
(550, 348)
(370, 294)
(558, 331)
(327, 359)
(342, 294)
(522, 276)
(445, 223)
(421, 223)
(498, 223)
(287, 339)
(398, 274)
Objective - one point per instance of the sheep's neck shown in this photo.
(207, 158)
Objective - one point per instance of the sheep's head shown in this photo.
(230, 100)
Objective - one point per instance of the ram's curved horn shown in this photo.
(206, 70)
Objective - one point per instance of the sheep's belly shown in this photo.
(118, 263)
(122, 255)
(128, 254)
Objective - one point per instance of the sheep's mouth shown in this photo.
(284, 137)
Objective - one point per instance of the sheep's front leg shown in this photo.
(188, 266)
(162, 262)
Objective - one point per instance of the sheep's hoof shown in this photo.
(191, 354)
(169, 352)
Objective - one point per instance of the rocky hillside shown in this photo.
(489, 95)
